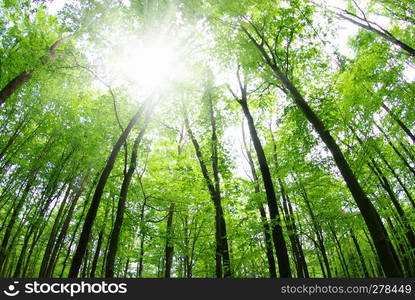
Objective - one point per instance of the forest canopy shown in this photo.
(207, 138)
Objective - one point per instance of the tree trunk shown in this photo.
(13, 137)
(317, 230)
(374, 223)
(99, 244)
(410, 168)
(383, 34)
(339, 247)
(387, 187)
(52, 236)
(276, 228)
(14, 85)
(220, 228)
(267, 232)
(400, 123)
(222, 248)
(25, 76)
(96, 199)
(223, 237)
(169, 244)
(359, 252)
(115, 234)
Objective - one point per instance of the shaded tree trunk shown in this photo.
(220, 226)
(98, 247)
(52, 236)
(276, 228)
(359, 252)
(267, 232)
(13, 85)
(169, 244)
(374, 223)
(400, 123)
(116, 230)
(96, 199)
(317, 230)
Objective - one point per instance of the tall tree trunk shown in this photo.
(96, 199)
(339, 247)
(267, 231)
(298, 253)
(374, 223)
(142, 234)
(317, 230)
(99, 244)
(405, 255)
(52, 235)
(220, 228)
(359, 252)
(410, 168)
(276, 228)
(387, 187)
(391, 169)
(63, 233)
(13, 137)
(223, 237)
(300, 248)
(14, 84)
(169, 244)
(116, 230)
(14, 217)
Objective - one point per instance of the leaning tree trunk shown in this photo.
(53, 234)
(99, 245)
(96, 199)
(360, 254)
(372, 219)
(13, 85)
(381, 33)
(113, 244)
(400, 123)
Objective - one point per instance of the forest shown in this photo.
(207, 138)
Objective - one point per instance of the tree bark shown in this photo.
(52, 236)
(267, 233)
(115, 234)
(360, 254)
(96, 199)
(400, 123)
(382, 33)
(374, 223)
(410, 168)
(276, 228)
(98, 247)
(317, 230)
(169, 244)
(13, 85)
(220, 225)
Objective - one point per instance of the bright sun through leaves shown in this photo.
(148, 64)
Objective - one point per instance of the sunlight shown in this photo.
(149, 64)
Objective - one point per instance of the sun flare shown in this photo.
(149, 64)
